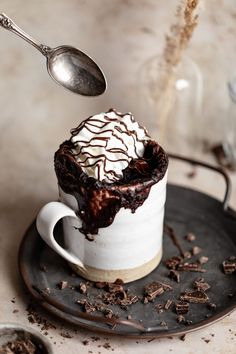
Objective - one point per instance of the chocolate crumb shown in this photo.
(174, 275)
(163, 323)
(62, 284)
(15, 311)
(83, 288)
(181, 308)
(159, 308)
(107, 345)
(183, 337)
(203, 259)
(47, 290)
(196, 250)
(66, 335)
(196, 297)
(180, 319)
(187, 255)
(190, 237)
(85, 342)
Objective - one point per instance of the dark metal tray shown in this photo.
(186, 210)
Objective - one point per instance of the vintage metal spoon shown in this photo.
(68, 66)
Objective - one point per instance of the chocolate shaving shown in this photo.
(191, 267)
(201, 284)
(182, 308)
(170, 232)
(196, 297)
(168, 304)
(174, 275)
(173, 262)
(229, 267)
(154, 289)
(20, 346)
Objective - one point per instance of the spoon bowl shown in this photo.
(68, 66)
(75, 71)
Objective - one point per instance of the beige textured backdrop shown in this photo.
(36, 116)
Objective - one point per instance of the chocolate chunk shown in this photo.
(196, 250)
(174, 275)
(201, 284)
(181, 308)
(191, 267)
(203, 259)
(196, 297)
(190, 237)
(62, 285)
(229, 267)
(173, 262)
(153, 290)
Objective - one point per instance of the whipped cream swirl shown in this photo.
(104, 144)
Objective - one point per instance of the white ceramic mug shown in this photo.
(128, 249)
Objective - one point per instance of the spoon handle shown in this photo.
(8, 24)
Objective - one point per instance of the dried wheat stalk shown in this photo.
(176, 42)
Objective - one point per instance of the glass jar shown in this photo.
(172, 104)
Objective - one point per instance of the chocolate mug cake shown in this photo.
(112, 176)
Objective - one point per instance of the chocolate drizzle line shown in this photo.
(99, 201)
(101, 160)
(170, 232)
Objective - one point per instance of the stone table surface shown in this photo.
(37, 115)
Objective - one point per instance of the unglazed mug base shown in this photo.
(126, 275)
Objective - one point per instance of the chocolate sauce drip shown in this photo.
(99, 201)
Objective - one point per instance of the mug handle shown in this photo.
(46, 221)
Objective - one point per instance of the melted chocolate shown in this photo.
(99, 202)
